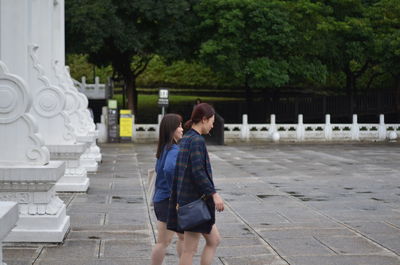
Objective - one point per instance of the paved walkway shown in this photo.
(286, 204)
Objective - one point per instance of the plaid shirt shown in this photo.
(193, 175)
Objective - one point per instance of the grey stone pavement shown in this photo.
(297, 204)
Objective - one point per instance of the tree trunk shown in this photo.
(350, 88)
(130, 85)
(397, 93)
(350, 83)
(249, 96)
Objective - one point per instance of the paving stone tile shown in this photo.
(344, 260)
(244, 250)
(86, 219)
(19, 254)
(299, 246)
(300, 232)
(83, 249)
(263, 259)
(126, 248)
(350, 245)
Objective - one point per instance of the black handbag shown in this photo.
(193, 214)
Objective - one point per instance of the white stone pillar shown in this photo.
(245, 130)
(51, 101)
(83, 124)
(26, 174)
(355, 129)
(328, 127)
(300, 131)
(8, 220)
(382, 128)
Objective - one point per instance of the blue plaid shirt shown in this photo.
(193, 175)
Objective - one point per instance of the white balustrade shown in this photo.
(291, 132)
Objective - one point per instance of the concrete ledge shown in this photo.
(26, 173)
(72, 184)
(8, 219)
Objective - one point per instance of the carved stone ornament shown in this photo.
(18, 130)
(49, 101)
(72, 99)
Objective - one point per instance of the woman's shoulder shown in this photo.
(174, 149)
(198, 139)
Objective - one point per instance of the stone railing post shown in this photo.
(300, 131)
(355, 129)
(382, 128)
(274, 134)
(328, 127)
(8, 220)
(245, 130)
(159, 118)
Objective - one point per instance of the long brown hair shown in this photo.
(169, 123)
(200, 111)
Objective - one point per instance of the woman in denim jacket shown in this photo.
(167, 150)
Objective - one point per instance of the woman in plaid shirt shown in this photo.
(193, 179)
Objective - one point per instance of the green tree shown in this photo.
(349, 40)
(385, 18)
(181, 73)
(127, 33)
(79, 66)
(258, 43)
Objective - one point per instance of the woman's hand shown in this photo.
(219, 202)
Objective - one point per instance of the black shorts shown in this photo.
(161, 210)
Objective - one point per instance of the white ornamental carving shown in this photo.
(72, 99)
(18, 130)
(20, 197)
(49, 101)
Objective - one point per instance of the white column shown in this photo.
(382, 128)
(8, 220)
(355, 129)
(328, 127)
(83, 124)
(300, 131)
(245, 130)
(26, 174)
(54, 119)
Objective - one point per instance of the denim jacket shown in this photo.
(165, 168)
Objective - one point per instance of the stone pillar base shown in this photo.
(95, 152)
(72, 183)
(42, 215)
(41, 228)
(88, 160)
(75, 178)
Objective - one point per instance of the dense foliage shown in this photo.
(352, 45)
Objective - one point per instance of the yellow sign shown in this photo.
(125, 123)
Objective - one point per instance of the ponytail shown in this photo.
(188, 124)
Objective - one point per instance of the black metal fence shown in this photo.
(313, 108)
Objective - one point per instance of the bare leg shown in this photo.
(163, 240)
(179, 244)
(212, 241)
(190, 243)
